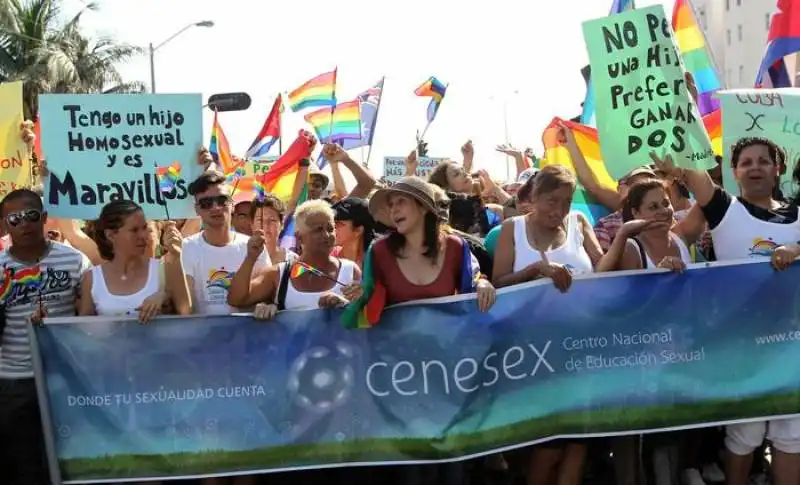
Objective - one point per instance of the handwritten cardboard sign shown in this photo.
(15, 165)
(761, 113)
(394, 168)
(641, 100)
(104, 147)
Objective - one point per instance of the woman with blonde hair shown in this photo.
(274, 289)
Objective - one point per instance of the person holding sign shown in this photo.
(753, 224)
(60, 268)
(132, 282)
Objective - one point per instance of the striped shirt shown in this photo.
(62, 268)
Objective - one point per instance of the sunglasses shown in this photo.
(206, 203)
(14, 219)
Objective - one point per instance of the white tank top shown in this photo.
(570, 254)
(740, 235)
(300, 300)
(106, 303)
(686, 257)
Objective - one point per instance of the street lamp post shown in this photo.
(505, 130)
(153, 49)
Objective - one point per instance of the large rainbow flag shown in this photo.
(589, 146)
(280, 178)
(696, 55)
(318, 92)
(340, 123)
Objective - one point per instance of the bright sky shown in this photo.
(486, 51)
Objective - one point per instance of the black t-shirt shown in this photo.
(717, 207)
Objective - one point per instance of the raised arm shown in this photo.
(246, 290)
(364, 179)
(698, 182)
(605, 195)
(176, 285)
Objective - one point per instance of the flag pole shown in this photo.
(333, 108)
(375, 122)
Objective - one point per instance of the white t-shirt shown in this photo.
(107, 303)
(212, 268)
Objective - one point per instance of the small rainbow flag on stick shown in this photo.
(259, 189)
(167, 179)
(434, 89)
(340, 123)
(300, 268)
(320, 91)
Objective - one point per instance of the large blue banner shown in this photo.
(433, 381)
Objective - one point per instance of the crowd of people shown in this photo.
(418, 230)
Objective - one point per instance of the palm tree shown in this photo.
(54, 57)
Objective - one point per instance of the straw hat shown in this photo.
(414, 187)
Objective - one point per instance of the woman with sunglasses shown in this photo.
(132, 281)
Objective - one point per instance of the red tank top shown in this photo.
(399, 289)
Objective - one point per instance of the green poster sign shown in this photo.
(761, 113)
(640, 95)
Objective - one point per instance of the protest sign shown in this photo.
(623, 353)
(764, 113)
(641, 100)
(15, 164)
(394, 168)
(104, 147)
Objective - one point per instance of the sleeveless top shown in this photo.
(106, 303)
(570, 254)
(399, 289)
(302, 300)
(740, 235)
(648, 263)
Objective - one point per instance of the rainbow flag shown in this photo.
(366, 311)
(696, 55)
(340, 123)
(713, 124)
(219, 148)
(320, 91)
(168, 176)
(589, 146)
(434, 89)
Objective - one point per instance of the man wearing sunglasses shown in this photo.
(22, 457)
(212, 256)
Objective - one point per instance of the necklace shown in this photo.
(124, 277)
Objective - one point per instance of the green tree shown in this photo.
(52, 56)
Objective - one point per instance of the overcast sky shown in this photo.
(486, 51)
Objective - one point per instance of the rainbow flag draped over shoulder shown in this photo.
(318, 92)
(366, 311)
(340, 123)
(589, 146)
(696, 55)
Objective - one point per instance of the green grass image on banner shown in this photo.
(395, 449)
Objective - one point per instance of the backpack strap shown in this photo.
(642, 254)
(283, 286)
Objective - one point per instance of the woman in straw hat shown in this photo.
(418, 260)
